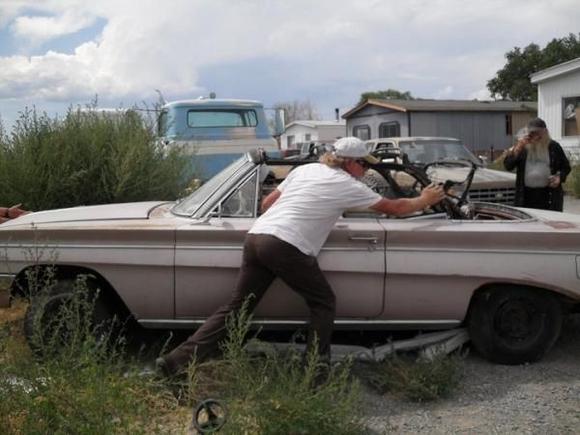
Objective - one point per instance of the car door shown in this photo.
(209, 254)
(422, 284)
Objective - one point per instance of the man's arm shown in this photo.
(269, 200)
(430, 195)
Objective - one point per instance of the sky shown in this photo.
(55, 54)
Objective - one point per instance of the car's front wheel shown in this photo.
(514, 325)
(66, 315)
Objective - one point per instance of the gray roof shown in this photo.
(448, 106)
(314, 124)
(556, 70)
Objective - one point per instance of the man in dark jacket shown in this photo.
(541, 168)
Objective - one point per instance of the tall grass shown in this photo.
(278, 394)
(82, 385)
(89, 157)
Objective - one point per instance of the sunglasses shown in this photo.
(363, 163)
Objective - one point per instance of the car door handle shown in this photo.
(364, 238)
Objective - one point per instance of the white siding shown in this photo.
(299, 132)
(322, 133)
(550, 96)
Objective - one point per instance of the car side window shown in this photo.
(242, 201)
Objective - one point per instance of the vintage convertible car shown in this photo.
(509, 275)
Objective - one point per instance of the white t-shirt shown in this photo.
(313, 197)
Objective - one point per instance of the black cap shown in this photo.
(535, 124)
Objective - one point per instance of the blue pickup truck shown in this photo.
(215, 132)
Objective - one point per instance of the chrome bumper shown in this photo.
(5, 286)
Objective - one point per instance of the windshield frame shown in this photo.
(204, 199)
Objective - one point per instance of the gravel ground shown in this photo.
(540, 398)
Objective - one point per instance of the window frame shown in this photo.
(356, 128)
(388, 124)
(242, 113)
(572, 99)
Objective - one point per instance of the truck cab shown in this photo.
(215, 132)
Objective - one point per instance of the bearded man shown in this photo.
(541, 168)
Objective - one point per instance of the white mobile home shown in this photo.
(559, 102)
(312, 131)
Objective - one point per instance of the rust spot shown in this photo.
(560, 225)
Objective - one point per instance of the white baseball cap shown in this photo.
(353, 148)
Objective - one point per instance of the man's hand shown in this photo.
(520, 145)
(11, 212)
(554, 181)
(432, 194)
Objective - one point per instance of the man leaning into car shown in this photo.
(285, 240)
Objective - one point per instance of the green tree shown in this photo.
(512, 82)
(389, 94)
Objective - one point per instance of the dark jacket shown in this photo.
(558, 164)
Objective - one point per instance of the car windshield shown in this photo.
(192, 203)
(428, 151)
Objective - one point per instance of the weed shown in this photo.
(418, 380)
(277, 394)
(82, 385)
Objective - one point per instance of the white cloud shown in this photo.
(481, 95)
(431, 48)
(40, 29)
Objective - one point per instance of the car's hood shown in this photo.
(490, 177)
(133, 210)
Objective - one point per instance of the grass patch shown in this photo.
(417, 380)
(86, 387)
(90, 387)
(278, 394)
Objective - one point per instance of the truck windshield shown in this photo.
(222, 118)
(428, 151)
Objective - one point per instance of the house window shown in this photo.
(363, 132)
(390, 129)
(289, 141)
(307, 137)
(508, 125)
(571, 116)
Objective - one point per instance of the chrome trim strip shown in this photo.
(185, 323)
(479, 251)
(49, 245)
(363, 248)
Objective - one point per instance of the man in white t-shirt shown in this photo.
(285, 240)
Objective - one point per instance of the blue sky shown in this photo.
(58, 53)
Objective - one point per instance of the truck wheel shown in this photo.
(44, 329)
(514, 325)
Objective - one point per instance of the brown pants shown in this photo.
(265, 258)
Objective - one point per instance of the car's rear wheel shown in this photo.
(64, 314)
(514, 325)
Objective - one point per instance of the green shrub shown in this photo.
(89, 157)
(572, 184)
(418, 380)
(83, 386)
(275, 394)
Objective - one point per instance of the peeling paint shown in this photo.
(561, 225)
